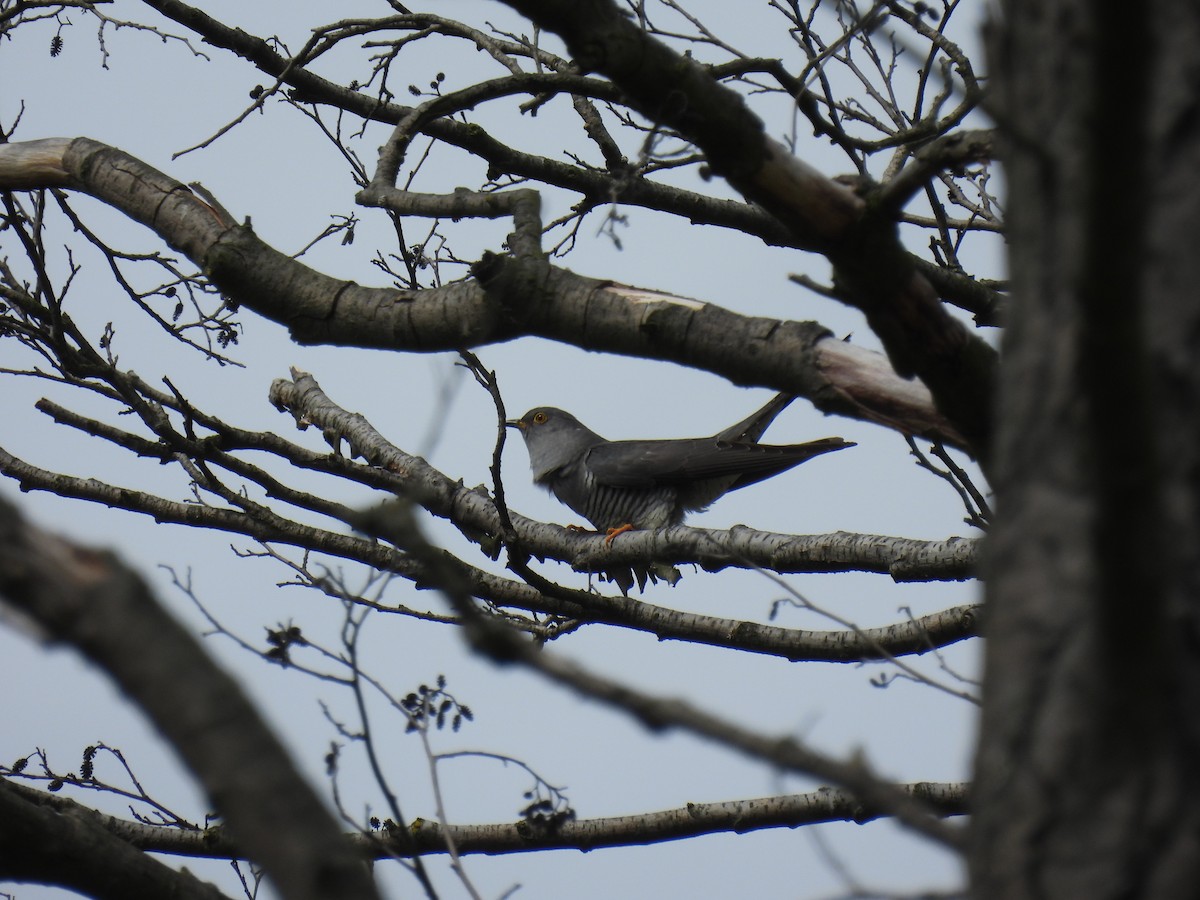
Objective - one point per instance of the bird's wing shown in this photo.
(650, 464)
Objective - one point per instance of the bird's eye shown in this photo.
(539, 418)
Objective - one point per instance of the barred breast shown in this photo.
(610, 507)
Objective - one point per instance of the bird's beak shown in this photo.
(515, 423)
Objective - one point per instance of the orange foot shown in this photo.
(613, 532)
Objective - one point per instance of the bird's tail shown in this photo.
(750, 429)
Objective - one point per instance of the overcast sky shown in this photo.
(155, 99)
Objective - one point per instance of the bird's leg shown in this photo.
(610, 532)
(613, 532)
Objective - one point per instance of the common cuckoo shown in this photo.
(623, 485)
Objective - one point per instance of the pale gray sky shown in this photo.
(156, 99)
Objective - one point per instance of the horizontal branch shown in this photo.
(392, 471)
(508, 300)
(910, 637)
(904, 559)
(695, 819)
(700, 209)
(874, 795)
(427, 837)
(499, 642)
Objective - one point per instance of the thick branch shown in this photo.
(514, 299)
(392, 471)
(904, 559)
(698, 208)
(920, 336)
(52, 840)
(88, 599)
(917, 636)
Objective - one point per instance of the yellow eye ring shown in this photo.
(539, 418)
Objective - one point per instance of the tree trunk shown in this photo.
(1088, 771)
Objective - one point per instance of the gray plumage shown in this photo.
(652, 484)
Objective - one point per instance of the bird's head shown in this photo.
(554, 439)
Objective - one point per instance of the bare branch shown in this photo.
(920, 336)
(504, 646)
(512, 297)
(34, 827)
(88, 599)
(824, 805)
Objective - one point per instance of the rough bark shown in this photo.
(36, 838)
(87, 599)
(859, 236)
(1087, 784)
(506, 301)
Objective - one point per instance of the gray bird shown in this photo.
(623, 485)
